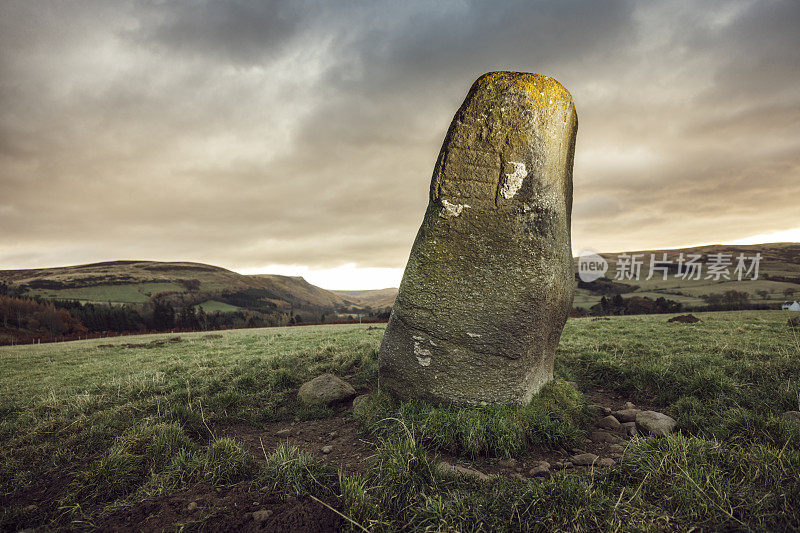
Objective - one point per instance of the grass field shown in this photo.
(134, 293)
(211, 306)
(96, 430)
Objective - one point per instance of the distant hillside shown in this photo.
(218, 289)
(779, 275)
(298, 290)
(376, 298)
(136, 282)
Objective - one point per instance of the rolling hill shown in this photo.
(377, 298)
(779, 271)
(216, 288)
(136, 282)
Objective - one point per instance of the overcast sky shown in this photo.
(300, 137)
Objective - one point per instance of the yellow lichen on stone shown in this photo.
(540, 89)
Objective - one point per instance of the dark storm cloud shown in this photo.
(251, 133)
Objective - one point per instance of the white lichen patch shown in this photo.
(514, 180)
(423, 355)
(473, 335)
(450, 210)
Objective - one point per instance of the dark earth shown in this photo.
(245, 507)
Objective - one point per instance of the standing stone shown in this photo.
(489, 283)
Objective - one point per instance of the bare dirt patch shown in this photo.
(337, 440)
(242, 507)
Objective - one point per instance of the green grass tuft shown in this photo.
(553, 419)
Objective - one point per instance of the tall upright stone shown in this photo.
(489, 283)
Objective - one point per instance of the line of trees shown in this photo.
(635, 305)
(24, 320)
(30, 319)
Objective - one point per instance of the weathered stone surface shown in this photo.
(542, 470)
(602, 436)
(629, 429)
(608, 422)
(655, 423)
(359, 401)
(326, 389)
(489, 283)
(583, 459)
(626, 415)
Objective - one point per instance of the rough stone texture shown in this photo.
(602, 436)
(654, 423)
(359, 400)
(326, 389)
(490, 279)
(626, 415)
(608, 422)
(629, 429)
(583, 459)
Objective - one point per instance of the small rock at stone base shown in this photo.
(508, 463)
(262, 515)
(327, 449)
(568, 464)
(359, 400)
(192, 506)
(283, 433)
(596, 410)
(333, 434)
(608, 422)
(447, 468)
(583, 459)
(558, 465)
(602, 436)
(539, 471)
(30, 508)
(629, 405)
(655, 423)
(617, 448)
(606, 461)
(326, 389)
(627, 415)
(629, 429)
